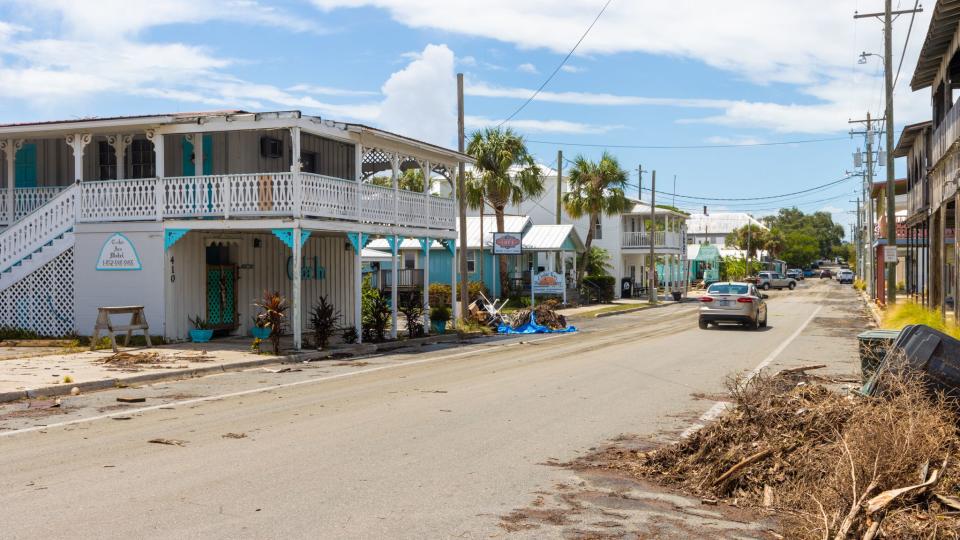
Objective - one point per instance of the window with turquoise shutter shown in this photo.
(25, 171)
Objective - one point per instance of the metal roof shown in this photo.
(943, 25)
(375, 255)
(514, 224)
(908, 136)
(640, 207)
(552, 238)
(719, 222)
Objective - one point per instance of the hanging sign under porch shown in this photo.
(507, 243)
(118, 253)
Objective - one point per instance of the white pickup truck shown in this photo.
(768, 280)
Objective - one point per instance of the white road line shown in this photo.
(720, 406)
(262, 389)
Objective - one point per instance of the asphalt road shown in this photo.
(432, 444)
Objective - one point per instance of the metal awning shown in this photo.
(552, 238)
(943, 25)
(908, 136)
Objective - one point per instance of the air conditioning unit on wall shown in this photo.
(271, 147)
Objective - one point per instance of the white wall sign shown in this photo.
(548, 283)
(890, 254)
(118, 253)
(507, 243)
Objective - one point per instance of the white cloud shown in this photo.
(420, 100)
(720, 140)
(762, 41)
(528, 68)
(468, 61)
(541, 126)
(329, 90)
(481, 89)
(567, 68)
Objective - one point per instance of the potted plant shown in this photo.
(273, 312)
(259, 330)
(439, 316)
(323, 320)
(202, 330)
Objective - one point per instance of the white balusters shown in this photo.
(45, 224)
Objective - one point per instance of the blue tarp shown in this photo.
(533, 328)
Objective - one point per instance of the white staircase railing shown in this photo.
(38, 228)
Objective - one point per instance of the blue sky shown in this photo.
(680, 73)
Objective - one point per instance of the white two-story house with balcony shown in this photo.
(626, 237)
(197, 214)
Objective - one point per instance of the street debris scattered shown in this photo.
(135, 361)
(282, 370)
(123, 399)
(169, 442)
(540, 319)
(234, 435)
(74, 391)
(832, 465)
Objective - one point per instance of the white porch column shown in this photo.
(10, 148)
(358, 173)
(297, 289)
(426, 284)
(358, 288)
(563, 272)
(395, 180)
(78, 143)
(159, 171)
(120, 144)
(426, 191)
(575, 274)
(394, 298)
(296, 165)
(454, 305)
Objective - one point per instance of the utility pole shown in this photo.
(640, 182)
(652, 235)
(869, 259)
(749, 230)
(674, 203)
(887, 17)
(462, 202)
(559, 184)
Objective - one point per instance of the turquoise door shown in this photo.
(25, 175)
(189, 168)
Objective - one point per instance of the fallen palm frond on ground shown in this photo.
(835, 466)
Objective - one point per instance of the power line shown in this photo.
(769, 197)
(686, 147)
(557, 70)
(905, 42)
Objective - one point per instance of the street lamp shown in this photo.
(865, 54)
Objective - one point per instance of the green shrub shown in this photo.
(323, 321)
(440, 313)
(412, 308)
(375, 313)
(350, 335)
(900, 315)
(439, 294)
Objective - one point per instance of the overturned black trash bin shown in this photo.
(926, 351)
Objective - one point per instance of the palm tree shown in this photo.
(775, 243)
(506, 173)
(595, 189)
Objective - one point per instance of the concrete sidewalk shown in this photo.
(27, 373)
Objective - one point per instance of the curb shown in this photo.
(113, 382)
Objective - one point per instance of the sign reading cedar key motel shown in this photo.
(507, 243)
(118, 253)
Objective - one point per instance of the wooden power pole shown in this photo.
(651, 237)
(462, 203)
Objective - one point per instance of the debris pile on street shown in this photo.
(835, 465)
(544, 314)
(134, 361)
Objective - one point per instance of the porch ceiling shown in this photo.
(943, 26)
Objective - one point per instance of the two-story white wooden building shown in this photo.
(199, 213)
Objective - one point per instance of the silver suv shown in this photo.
(733, 302)
(768, 280)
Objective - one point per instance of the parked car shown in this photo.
(734, 302)
(795, 273)
(826, 274)
(845, 276)
(768, 280)
(809, 272)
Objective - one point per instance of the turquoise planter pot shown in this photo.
(200, 336)
(260, 333)
(438, 327)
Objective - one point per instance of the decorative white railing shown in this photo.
(264, 194)
(443, 215)
(642, 239)
(376, 204)
(325, 196)
(26, 200)
(946, 134)
(118, 200)
(42, 226)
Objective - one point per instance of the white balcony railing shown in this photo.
(661, 239)
(260, 194)
(26, 200)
